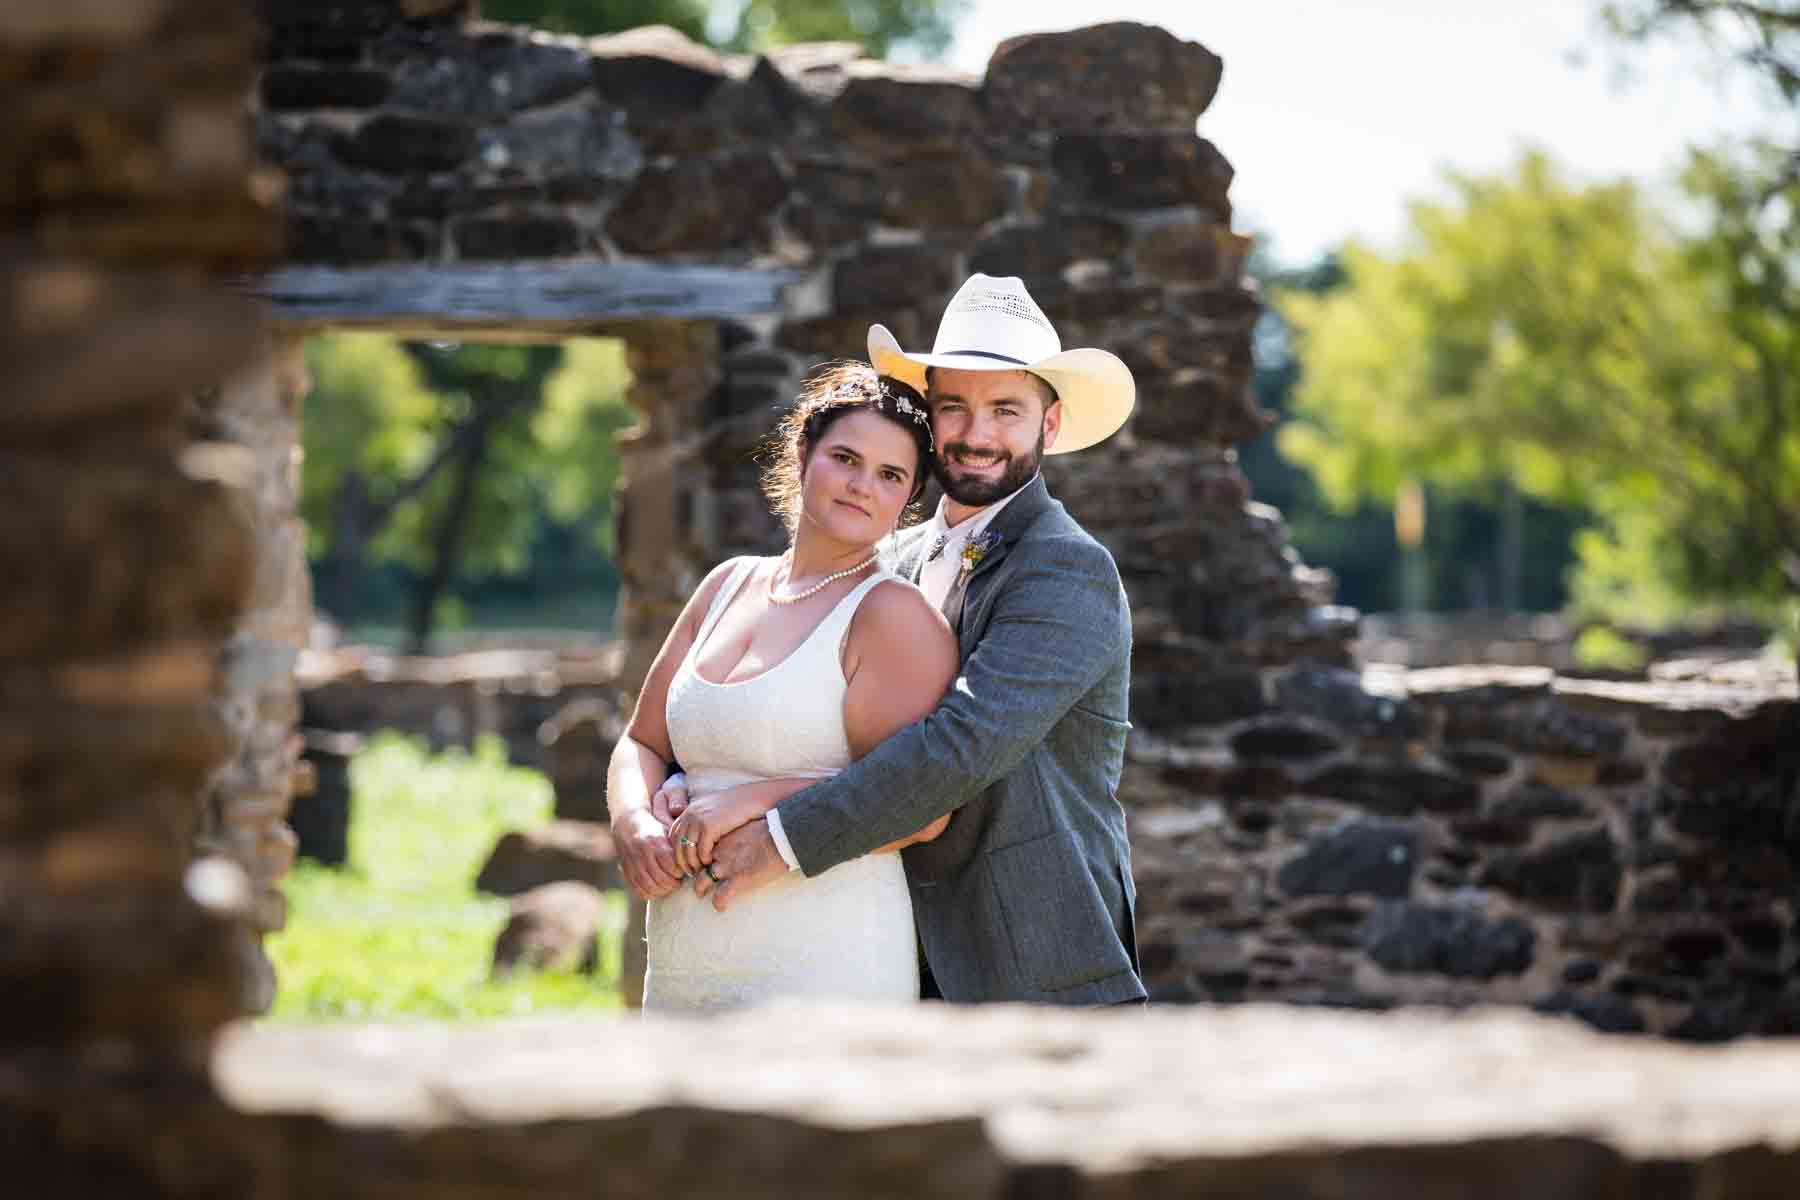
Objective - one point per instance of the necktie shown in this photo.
(953, 600)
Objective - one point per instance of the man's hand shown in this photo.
(645, 857)
(743, 861)
(696, 831)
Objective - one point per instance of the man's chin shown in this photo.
(975, 493)
(979, 491)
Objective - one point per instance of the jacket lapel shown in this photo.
(1006, 530)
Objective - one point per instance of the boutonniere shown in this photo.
(976, 549)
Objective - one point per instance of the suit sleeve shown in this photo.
(1057, 626)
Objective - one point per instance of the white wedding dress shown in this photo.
(847, 933)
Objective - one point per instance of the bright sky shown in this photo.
(1336, 112)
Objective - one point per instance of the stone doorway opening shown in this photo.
(458, 489)
(643, 406)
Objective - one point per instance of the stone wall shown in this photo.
(429, 141)
(1248, 1104)
(139, 598)
(1548, 640)
(558, 712)
(245, 809)
(1625, 853)
(1073, 162)
(1476, 863)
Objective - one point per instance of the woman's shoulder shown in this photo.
(895, 608)
(708, 591)
(749, 563)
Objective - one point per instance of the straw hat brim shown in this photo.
(1095, 387)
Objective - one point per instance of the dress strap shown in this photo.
(741, 570)
(836, 626)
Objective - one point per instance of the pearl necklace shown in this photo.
(816, 588)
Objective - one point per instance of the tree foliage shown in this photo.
(582, 414)
(1479, 551)
(589, 17)
(1764, 37)
(880, 25)
(449, 459)
(1571, 341)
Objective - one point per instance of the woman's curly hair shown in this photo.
(835, 390)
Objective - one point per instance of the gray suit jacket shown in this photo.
(1028, 894)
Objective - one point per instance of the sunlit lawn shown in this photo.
(400, 931)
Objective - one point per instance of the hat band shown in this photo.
(984, 354)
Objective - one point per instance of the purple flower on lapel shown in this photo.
(976, 549)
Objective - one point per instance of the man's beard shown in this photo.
(979, 493)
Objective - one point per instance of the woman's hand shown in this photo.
(703, 822)
(646, 857)
(930, 833)
(670, 799)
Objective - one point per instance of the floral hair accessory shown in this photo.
(898, 398)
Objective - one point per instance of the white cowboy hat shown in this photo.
(993, 324)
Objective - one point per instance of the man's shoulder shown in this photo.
(1055, 533)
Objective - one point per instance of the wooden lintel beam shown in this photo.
(526, 300)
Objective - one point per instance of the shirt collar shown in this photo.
(975, 524)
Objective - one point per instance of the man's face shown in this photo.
(992, 428)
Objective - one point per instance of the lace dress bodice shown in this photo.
(845, 933)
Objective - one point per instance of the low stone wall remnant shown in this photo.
(1625, 853)
(1256, 1101)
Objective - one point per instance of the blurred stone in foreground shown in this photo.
(1017, 1102)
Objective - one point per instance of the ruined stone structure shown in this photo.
(440, 151)
(1621, 852)
(146, 676)
(874, 189)
(732, 220)
(255, 417)
(871, 190)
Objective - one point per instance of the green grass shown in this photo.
(400, 931)
(1601, 648)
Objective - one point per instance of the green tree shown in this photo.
(1569, 342)
(584, 410)
(479, 513)
(448, 460)
(1479, 551)
(372, 442)
(1764, 37)
(589, 17)
(880, 25)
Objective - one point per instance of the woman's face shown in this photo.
(858, 478)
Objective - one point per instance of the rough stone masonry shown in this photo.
(1299, 835)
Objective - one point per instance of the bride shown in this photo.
(781, 671)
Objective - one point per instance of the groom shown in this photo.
(1028, 895)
